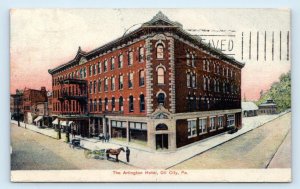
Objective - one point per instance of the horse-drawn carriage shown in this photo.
(75, 143)
(96, 154)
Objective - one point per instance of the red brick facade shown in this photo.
(175, 78)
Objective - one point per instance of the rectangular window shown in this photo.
(99, 85)
(192, 128)
(105, 84)
(121, 82)
(212, 124)
(113, 83)
(130, 58)
(194, 80)
(105, 66)
(230, 120)
(202, 125)
(220, 122)
(130, 80)
(112, 61)
(120, 61)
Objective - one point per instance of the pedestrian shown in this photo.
(108, 137)
(127, 154)
(105, 138)
(73, 133)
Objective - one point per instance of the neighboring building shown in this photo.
(30, 99)
(16, 105)
(48, 115)
(156, 85)
(249, 109)
(38, 112)
(268, 107)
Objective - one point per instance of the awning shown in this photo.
(55, 122)
(63, 123)
(38, 118)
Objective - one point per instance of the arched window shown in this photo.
(121, 105)
(193, 60)
(106, 104)
(160, 127)
(130, 80)
(112, 63)
(161, 98)
(188, 58)
(130, 58)
(160, 51)
(113, 103)
(105, 84)
(94, 87)
(160, 75)
(112, 87)
(120, 61)
(194, 81)
(141, 54)
(142, 78)
(142, 103)
(131, 107)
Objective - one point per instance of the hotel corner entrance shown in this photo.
(161, 138)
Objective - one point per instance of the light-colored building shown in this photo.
(249, 109)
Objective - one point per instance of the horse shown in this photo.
(114, 152)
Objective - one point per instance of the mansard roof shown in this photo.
(160, 20)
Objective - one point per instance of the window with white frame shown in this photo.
(105, 66)
(99, 85)
(188, 80)
(120, 61)
(141, 54)
(188, 58)
(192, 130)
(204, 83)
(160, 51)
(99, 67)
(130, 80)
(105, 84)
(204, 65)
(194, 81)
(193, 60)
(112, 83)
(160, 75)
(120, 81)
(230, 120)
(112, 63)
(220, 122)
(130, 58)
(202, 125)
(212, 123)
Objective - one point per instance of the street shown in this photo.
(254, 149)
(33, 151)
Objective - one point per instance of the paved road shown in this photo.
(33, 151)
(254, 149)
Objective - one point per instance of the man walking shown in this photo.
(127, 154)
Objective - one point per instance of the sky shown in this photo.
(42, 39)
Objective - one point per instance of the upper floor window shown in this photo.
(90, 70)
(95, 105)
(113, 103)
(112, 83)
(204, 84)
(105, 84)
(142, 103)
(99, 67)
(90, 87)
(194, 81)
(161, 98)
(141, 54)
(160, 75)
(84, 72)
(121, 82)
(131, 107)
(142, 78)
(188, 80)
(130, 58)
(105, 66)
(95, 69)
(188, 58)
(193, 60)
(99, 85)
(100, 104)
(106, 104)
(130, 80)
(160, 51)
(112, 63)
(94, 87)
(204, 65)
(120, 61)
(121, 105)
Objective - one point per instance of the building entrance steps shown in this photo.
(142, 158)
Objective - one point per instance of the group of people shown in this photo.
(104, 138)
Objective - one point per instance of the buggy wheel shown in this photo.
(88, 154)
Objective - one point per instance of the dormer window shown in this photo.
(160, 51)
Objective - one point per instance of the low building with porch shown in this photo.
(268, 107)
(249, 109)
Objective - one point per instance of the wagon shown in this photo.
(96, 154)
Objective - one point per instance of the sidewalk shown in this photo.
(142, 158)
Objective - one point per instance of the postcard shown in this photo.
(150, 95)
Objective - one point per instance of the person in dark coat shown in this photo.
(127, 154)
(108, 137)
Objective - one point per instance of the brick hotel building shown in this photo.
(156, 86)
